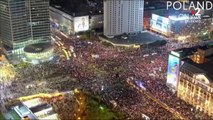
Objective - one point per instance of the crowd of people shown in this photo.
(65, 108)
(103, 71)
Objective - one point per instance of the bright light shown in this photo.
(154, 17)
(58, 38)
(205, 33)
(183, 37)
(76, 91)
(160, 24)
(175, 18)
(81, 23)
(101, 107)
(175, 53)
(165, 20)
(52, 38)
(40, 95)
(64, 35)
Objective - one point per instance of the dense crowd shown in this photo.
(190, 28)
(65, 108)
(105, 75)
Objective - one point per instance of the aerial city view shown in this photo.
(106, 59)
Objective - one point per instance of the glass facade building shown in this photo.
(24, 22)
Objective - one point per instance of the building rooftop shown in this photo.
(206, 47)
(198, 68)
(40, 107)
(137, 39)
(35, 109)
(79, 7)
(38, 48)
(184, 52)
(205, 68)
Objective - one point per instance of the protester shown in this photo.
(105, 75)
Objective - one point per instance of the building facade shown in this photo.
(200, 55)
(196, 88)
(123, 16)
(24, 22)
(70, 24)
(61, 21)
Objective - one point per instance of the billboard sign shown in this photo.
(81, 23)
(173, 71)
(160, 24)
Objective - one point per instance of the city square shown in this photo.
(74, 74)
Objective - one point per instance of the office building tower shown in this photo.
(24, 22)
(123, 16)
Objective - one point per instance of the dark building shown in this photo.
(68, 16)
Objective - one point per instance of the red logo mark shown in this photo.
(193, 12)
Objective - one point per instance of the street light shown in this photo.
(101, 107)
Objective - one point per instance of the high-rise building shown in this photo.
(123, 16)
(24, 22)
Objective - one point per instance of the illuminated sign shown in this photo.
(186, 17)
(160, 24)
(81, 23)
(175, 53)
(179, 17)
(173, 71)
(154, 17)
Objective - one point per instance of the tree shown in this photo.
(7, 72)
